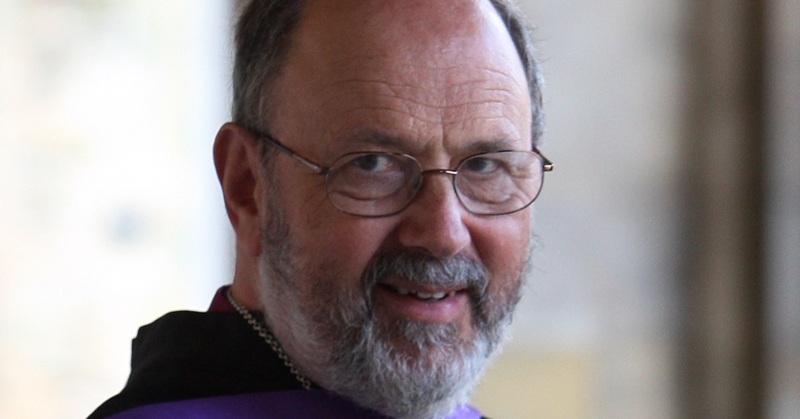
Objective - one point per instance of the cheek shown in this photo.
(503, 245)
(337, 247)
(325, 243)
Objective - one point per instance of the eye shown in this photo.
(481, 165)
(372, 170)
(374, 163)
(363, 177)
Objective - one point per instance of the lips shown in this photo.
(424, 303)
(423, 295)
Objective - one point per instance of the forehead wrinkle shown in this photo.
(371, 136)
(436, 76)
(504, 74)
(405, 119)
(414, 93)
(387, 101)
(488, 118)
(408, 96)
(372, 69)
(413, 112)
(391, 91)
(396, 111)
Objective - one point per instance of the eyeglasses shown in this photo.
(378, 184)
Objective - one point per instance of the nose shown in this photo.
(435, 219)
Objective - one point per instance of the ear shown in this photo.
(238, 163)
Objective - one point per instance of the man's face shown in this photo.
(430, 290)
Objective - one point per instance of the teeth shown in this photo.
(426, 295)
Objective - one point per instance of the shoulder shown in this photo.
(185, 355)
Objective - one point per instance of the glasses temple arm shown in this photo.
(282, 148)
(547, 165)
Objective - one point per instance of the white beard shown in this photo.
(404, 368)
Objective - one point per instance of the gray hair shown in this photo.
(264, 36)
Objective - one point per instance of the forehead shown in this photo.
(429, 70)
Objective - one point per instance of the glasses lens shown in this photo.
(499, 183)
(373, 184)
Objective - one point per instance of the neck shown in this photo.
(244, 288)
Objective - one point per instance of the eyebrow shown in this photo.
(375, 138)
(489, 145)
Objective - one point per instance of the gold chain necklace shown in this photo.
(270, 339)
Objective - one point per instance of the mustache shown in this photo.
(421, 267)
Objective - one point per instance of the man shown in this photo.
(378, 176)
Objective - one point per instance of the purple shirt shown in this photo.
(290, 404)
